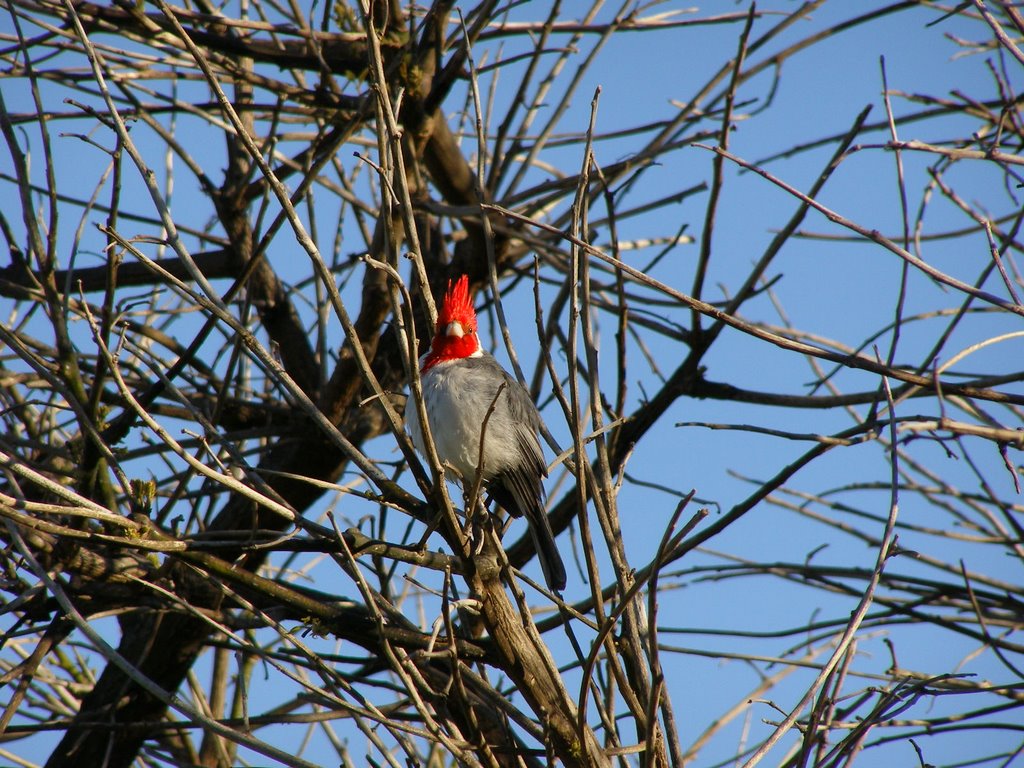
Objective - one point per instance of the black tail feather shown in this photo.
(540, 529)
(547, 552)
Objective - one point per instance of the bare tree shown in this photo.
(228, 228)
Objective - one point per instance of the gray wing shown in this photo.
(520, 489)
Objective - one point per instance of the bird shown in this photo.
(461, 383)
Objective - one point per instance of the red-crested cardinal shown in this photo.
(461, 383)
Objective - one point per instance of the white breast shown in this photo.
(457, 395)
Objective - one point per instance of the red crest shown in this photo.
(457, 304)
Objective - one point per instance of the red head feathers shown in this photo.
(457, 306)
(455, 336)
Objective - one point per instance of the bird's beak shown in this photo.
(454, 328)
